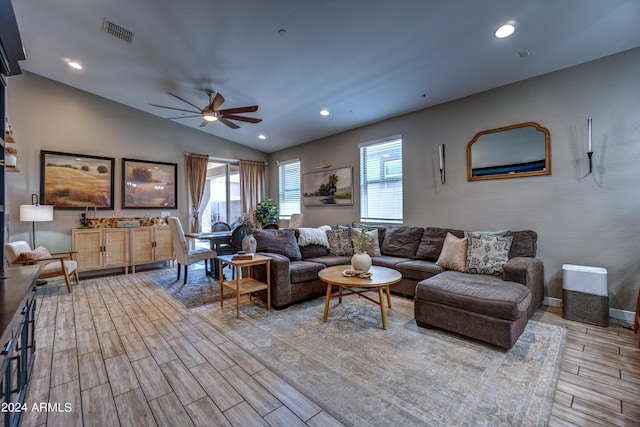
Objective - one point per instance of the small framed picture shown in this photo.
(149, 184)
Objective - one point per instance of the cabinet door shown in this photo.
(116, 243)
(163, 244)
(88, 244)
(141, 245)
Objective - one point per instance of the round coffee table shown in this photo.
(381, 278)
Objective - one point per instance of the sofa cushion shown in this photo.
(454, 253)
(316, 236)
(303, 271)
(487, 254)
(432, 240)
(282, 241)
(387, 261)
(524, 244)
(418, 269)
(313, 251)
(340, 242)
(401, 241)
(373, 248)
(330, 260)
(477, 293)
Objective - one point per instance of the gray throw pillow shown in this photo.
(281, 242)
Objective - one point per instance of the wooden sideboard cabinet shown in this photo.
(101, 248)
(17, 325)
(149, 245)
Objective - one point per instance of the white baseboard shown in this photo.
(614, 313)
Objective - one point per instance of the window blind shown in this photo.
(289, 188)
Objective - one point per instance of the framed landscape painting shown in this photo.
(147, 184)
(76, 181)
(331, 187)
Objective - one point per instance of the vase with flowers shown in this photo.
(247, 227)
(361, 260)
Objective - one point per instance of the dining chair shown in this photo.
(220, 226)
(271, 226)
(184, 255)
(53, 264)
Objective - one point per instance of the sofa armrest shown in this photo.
(529, 272)
(280, 278)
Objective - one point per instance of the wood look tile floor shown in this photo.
(116, 352)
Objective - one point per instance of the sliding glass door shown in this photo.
(222, 194)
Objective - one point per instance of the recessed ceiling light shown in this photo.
(505, 31)
(324, 112)
(74, 64)
(261, 136)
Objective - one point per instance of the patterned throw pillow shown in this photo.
(487, 254)
(340, 242)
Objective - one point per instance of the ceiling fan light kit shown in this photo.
(212, 112)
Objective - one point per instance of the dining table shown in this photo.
(216, 240)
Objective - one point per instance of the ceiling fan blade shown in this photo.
(184, 100)
(184, 117)
(249, 109)
(204, 123)
(228, 123)
(242, 119)
(173, 108)
(217, 102)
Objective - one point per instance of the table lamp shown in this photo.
(35, 212)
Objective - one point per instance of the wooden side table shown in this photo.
(244, 285)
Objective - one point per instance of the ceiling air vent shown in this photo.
(117, 31)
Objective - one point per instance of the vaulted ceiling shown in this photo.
(363, 60)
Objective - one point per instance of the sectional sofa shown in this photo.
(491, 308)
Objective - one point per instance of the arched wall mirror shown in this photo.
(509, 152)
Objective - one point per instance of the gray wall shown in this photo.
(46, 115)
(580, 218)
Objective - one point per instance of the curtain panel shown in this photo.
(252, 185)
(197, 176)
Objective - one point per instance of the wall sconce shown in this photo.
(443, 178)
(35, 212)
(589, 149)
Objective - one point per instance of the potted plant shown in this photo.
(361, 260)
(10, 156)
(266, 212)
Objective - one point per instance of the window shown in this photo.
(381, 180)
(289, 187)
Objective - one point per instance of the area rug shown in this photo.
(402, 376)
(200, 289)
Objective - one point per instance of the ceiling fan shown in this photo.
(212, 113)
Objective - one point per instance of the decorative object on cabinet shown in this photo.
(101, 248)
(76, 181)
(8, 134)
(330, 187)
(51, 264)
(509, 152)
(148, 184)
(35, 212)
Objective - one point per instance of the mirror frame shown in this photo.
(547, 151)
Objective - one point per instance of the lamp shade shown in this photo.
(36, 213)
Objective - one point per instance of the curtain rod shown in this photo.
(197, 155)
(255, 162)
